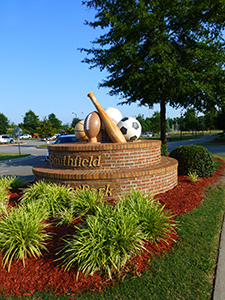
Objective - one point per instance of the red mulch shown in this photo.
(44, 273)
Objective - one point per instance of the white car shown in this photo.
(146, 134)
(25, 136)
(4, 139)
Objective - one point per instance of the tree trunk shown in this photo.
(163, 121)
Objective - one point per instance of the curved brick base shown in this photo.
(111, 169)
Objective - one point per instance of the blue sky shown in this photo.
(41, 65)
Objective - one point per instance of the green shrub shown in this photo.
(193, 158)
(164, 151)
(54, 197)
(79, 204)
(86, 201)
(105, 242)
(155, 222)
(11, 182)
(4, 200)
(22, 233)
(35, 191)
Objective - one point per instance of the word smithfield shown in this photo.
(75, 161)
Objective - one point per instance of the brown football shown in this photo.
(92, 124)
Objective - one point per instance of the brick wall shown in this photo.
(137, 165)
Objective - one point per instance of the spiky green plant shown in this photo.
(22, 233)
(105, 242)
(193, 176)
(17, 182)
(11, 182)
(86, 201)
(64, 216)
(154, 220)
(4, 200)
(57, 198)
(35, 191)
(54, 197)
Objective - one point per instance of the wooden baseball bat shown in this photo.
(113, 131)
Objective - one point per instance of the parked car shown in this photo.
(25, 136)
(4, 139)
(63, 139)
(146, 134)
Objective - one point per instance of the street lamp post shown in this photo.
(74, 114)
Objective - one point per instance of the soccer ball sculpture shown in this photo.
(131, 128)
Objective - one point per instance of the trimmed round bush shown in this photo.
(193, 158)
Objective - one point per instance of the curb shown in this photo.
(18, 159)
(219, 289)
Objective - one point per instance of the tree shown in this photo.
(155, 121)
(45, 128)
(30, 122)
(190, 119)
(163, 51)
(56, 123)
(4, 123)
(74, 122)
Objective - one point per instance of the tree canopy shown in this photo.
(45, 128)
(4, 123)
(30, 122)
(161, 51)
(56, 123)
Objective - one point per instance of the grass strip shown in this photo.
(186, 272)
(6, 156)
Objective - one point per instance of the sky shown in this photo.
(40, 64)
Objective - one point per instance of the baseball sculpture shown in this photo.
(114, 114)
(113, 131)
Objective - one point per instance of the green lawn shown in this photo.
(6, 156)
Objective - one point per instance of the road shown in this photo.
(23, 166)
(215, 149)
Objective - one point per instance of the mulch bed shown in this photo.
(44, 273)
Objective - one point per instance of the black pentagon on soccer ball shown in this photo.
(123, 130)
(133, 138)
(124, 119)
(135, 125)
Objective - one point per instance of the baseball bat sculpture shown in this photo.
(113, 131)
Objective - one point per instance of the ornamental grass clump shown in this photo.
(35, 191)
(194, 158)
(155, 222)
(4, 200)
(86, 201)
(11, 182)
(22, 233)
(54, 197)
(105, 242)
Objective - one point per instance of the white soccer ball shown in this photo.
(130, 128)
(114, 114)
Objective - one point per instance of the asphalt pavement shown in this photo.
(22, 166)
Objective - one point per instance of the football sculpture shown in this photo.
(79, 131)
(114, 114)
(92, 126)
(131, 128)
